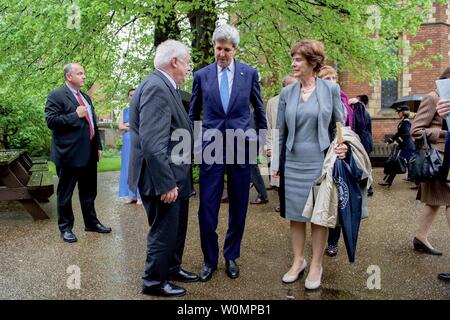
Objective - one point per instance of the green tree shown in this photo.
(115, 39)
(359, 35)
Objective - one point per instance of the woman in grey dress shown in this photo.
(307, 112)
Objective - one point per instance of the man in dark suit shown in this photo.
(224, 90)
(157, 119)
(76, 148)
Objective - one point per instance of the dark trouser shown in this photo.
(87, 191)
(389, 178)
(333, 236)
(166, 238)
(211, 189)
(258, 182)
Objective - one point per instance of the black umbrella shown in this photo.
(413, 102)
(346, 176)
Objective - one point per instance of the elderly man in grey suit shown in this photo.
(164, 181)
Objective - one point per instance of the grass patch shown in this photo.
(109, 164)
(106, 164)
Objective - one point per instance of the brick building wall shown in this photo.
(417, 80)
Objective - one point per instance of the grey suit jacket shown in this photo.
(331, 110)
(156, 111)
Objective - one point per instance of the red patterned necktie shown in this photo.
(91, 128)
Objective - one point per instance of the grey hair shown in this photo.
(168, 50)
(68, 68)
(228, 33)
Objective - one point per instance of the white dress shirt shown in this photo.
(169, 78)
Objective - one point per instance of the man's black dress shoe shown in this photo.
(166, 289)
(98, 228)
(422, 247)
(68, 236)
(444, 277)
(232, 269)
(206, 273)
(184, 276)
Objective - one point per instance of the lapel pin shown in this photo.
(242, 73)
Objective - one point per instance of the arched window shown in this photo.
(389, 92)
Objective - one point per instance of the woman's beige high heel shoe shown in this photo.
(313, 285)
(289, 278)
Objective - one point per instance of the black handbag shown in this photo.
(426, 162)
(395, 164)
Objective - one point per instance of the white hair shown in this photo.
(226, 32)
(168, 50)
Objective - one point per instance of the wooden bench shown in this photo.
(25, 181)
(379, 154)
(40, 184)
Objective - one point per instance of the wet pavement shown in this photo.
(36, 264)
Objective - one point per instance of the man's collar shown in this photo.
(171, 80)
(75, 91)
(230, 67)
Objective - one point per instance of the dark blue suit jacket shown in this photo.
(245, 92)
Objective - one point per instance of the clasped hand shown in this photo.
(170, 196)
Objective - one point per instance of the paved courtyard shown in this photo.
(36, 264)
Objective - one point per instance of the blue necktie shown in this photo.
(224, 90)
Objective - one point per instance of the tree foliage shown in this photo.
(115, 39)
(360, 36)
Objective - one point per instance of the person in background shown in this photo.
(257, 181)
(402, 139)
(256, 178)
(435, 192)
(362, 124)
(76, 149)
(124, 190)
(271, 117)
(330, 74)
